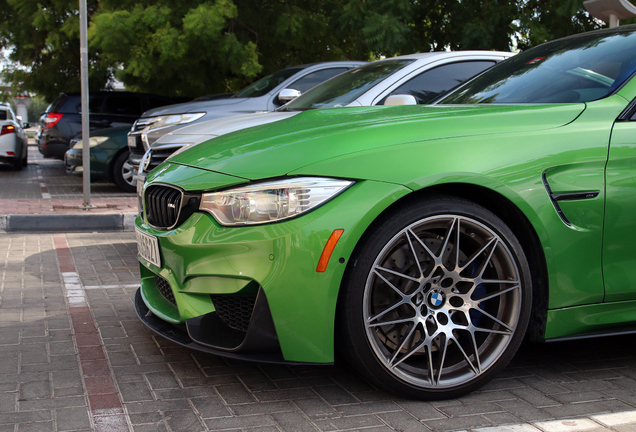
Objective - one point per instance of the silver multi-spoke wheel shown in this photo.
(127, 173)
(443, 300)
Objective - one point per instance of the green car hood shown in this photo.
(276, 149)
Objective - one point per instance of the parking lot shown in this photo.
(74, 356)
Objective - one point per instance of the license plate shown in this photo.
(132, 141)
(148, 247)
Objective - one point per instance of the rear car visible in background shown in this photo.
(13, 141)
(408, 79)
(62, 120)
(108, 157)
(263, 95)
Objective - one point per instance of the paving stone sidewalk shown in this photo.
(74, 357)
(44, 190)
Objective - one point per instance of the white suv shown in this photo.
(13, 141)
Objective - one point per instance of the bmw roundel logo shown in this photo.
(436, 299)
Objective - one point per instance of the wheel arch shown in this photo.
(513, 217)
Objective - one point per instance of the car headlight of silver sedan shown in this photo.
(174, 119)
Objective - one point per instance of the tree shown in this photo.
(544, 20)
(45, 48)
(172, 47)
(201, 47)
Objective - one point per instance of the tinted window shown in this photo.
(267, 84)
(129, 105)
(574, 69)
(347, 87)
(3, 114)
(60, 105)
(95, 103)
(433, 83)
(311, 80)
(154, 102)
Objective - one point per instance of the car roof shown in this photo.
(446, 54)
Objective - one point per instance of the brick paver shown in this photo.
(74, 356)
(43, 187)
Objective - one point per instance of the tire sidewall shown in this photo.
(118, 177)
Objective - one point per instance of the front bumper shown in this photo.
(204, 263)
(207, 332)
(73, 161)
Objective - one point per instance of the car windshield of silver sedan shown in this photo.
(346, 87)
(569, 70)
(266, 84)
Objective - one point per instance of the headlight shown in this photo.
(92, 142)
(271, 201)
(174, 119)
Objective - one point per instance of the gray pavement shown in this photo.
(43, 198)
(53, 378)
(74, 357)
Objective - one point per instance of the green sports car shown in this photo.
(421, 243)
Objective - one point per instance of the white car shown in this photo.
(13, 140)
(408, 79)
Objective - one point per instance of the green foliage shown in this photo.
(44, 39)
(202, 47)
(544, 20)
(181, 51)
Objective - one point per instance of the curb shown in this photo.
(44, 223)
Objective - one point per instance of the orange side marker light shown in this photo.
(328, 250)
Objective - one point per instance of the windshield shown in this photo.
(266, 84)
(345, 88)
(575, 69)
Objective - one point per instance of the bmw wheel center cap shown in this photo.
(436, 299)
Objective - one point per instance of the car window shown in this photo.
(266, 84)
(154, 102)
(569, 70)
(129, 105)
(434, 82)
(347, 87)
(311, 80)
(95, 103)
(3, 115)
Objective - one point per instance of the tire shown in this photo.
(25, 159)
(123, 174)
(423, 318)
(18, 163)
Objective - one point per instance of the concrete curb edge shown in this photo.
(47, 223)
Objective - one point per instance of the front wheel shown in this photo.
(123, 173)
(436, 300)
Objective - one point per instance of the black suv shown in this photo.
(62, 120)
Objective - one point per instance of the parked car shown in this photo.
(62, 120)
(108, 157)
(422, 77)
(13, 140)
(262, 95)
(421, 242)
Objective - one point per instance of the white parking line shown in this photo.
(92, 287)
(569, 425)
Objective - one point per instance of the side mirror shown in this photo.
(22, 124)
(400, 99)
(288, 94)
